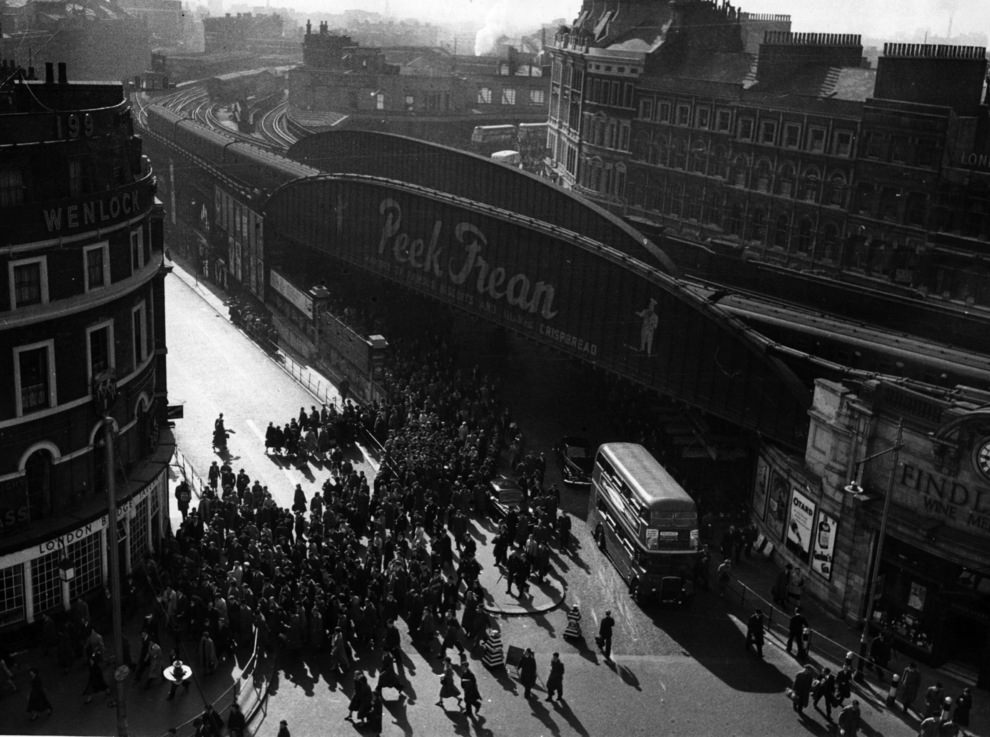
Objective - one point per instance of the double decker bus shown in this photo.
(645, 522)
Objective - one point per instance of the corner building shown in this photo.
(82, 337)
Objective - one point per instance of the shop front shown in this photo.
(53, 572)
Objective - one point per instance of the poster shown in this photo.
(760, 492)
(777, 505)
(800, 524)
(825, 534)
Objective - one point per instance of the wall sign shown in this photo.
(799, 525)
(824, 545)
(760, 492)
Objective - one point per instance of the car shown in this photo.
(504, 494)
(576, 456)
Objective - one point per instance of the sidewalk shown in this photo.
(831, 638)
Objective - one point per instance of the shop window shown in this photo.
(12, 608)
(87, 559)
(46, 587)
(28, 279)
(139, 532)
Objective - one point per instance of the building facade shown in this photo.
(82, 340)
(933, 581)
(709, 124)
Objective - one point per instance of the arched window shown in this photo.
(38, 473)
(678, 154)
(781, 231)
(784, 185)
(763, 175)
(811, 183)
(830, 242)
(740, 169)
(720, 164)
(735, 220)
(837, 188)
(758, 224)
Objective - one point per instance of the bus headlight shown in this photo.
(694, 539)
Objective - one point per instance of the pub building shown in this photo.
(82, 343)
(933, 579)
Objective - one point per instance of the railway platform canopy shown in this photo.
(515, 250)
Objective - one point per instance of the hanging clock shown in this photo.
(981, 457)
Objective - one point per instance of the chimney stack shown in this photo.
(49, 73)
(62, 78)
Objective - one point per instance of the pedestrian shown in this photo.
(555, 681)
(910, 685)
(6, 675)
(605, 635)
(527, 672)
(843, 684)
(236, 723)
(849, 719)
(207, 654)
(37, 698)
(388, 677)
(779, 590)
(573, 630)
(933, 699)
(723, 576)
(178, 673)
(183, 497)
(795, 632)
(155, 660)
(283, 729)
(824, 688)
(211, 722)
(802, 688)
(95, 682)
(964, 702)
(755, 632)
(469, 685)
(448, 689)
(361, 699)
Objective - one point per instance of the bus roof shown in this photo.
(652, 482)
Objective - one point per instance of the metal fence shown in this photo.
(185, 469)
(315, 384)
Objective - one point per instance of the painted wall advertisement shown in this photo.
(800, 525)
(825, 534)
(777, 512)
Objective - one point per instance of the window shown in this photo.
(843, 143)
(724, 120)
(379, 100)
(138, 334)
(537, 97)
(11, 188)
(508, 96)
(34, 377)
(792, 135)
(816, 140)
(683, 114)
(410, 103)
(768, 131)
(704, 117)
(12, 607)
(485, 96)
(746, 129)
(97, 266)
(28, 282)
(75, 177)
(99, 340)
(646, 108)
(663, 112)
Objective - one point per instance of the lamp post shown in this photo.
(104, 394)
(854, 488)
(319, 296)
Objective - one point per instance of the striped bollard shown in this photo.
(493, 657)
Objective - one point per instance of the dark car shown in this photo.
(576, 458)
(503, 494)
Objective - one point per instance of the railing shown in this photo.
(777, 622)
(195, 481)
(315, 384)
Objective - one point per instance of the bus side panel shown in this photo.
(617, 553)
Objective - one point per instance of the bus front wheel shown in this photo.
(600, 537)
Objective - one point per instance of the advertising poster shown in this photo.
(825, 534)
(777, 505)
(800, 524)
(760, 492)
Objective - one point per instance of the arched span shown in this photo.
(475, 177)
(556, 286)
(40, 445)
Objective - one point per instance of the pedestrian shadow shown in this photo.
(299, 674)
(814, 726)
(564, 709)
(628, 677)
(579, 561)
(583, 649)
(502, 677)
(397, 710)
(544, 622)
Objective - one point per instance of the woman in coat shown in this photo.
(527, 672)
(448, 689)
(95, 682)
(802, 688)
(339, 657)
(469, 685)
(37, 698)
(361, 698)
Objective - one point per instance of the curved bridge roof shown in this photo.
(581, 296)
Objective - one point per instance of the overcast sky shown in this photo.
(885, 19)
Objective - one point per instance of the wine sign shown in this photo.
(799, 527)
(824, 545)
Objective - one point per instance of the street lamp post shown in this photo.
(104, 394)
(854, 488)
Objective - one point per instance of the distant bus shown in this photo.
(646, 523)
(494, 134)
(509, 158)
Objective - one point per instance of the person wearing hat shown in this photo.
(283, 729)
(755, 631)
(605, 635)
